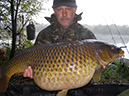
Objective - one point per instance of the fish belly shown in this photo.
(59, 81)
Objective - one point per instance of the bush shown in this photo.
(3, 56)
(117, 72)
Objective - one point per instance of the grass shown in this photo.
(116, 73)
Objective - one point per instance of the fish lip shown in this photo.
(121, 53)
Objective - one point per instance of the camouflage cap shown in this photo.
(57, 3)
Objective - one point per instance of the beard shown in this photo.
(65, 21)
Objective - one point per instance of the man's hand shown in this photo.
(104, 67)
(28, 72)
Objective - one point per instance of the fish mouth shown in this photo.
(121, 53)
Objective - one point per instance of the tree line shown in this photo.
(98, 29)
(106, 29)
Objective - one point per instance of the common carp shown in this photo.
(62, 66)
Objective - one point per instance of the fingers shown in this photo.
(28, 72)
(104, 68)
(25, 73)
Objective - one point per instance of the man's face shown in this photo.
(65, 15)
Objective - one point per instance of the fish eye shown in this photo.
(112, 47)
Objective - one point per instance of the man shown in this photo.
(64, 27)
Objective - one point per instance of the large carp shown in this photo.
(62, 66)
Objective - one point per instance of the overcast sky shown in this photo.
(96, 12)
(99, 11)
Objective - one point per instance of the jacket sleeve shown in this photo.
(84, 33)
(43, 37)
(39, 38)
(90, 34)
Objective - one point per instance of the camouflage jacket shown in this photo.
(55, 33)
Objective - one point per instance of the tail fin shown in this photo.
(4, 80)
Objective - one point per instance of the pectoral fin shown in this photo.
(62, 93)
(97, 74)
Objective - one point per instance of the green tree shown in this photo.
(14, 15)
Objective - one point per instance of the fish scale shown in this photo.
(62, 66)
